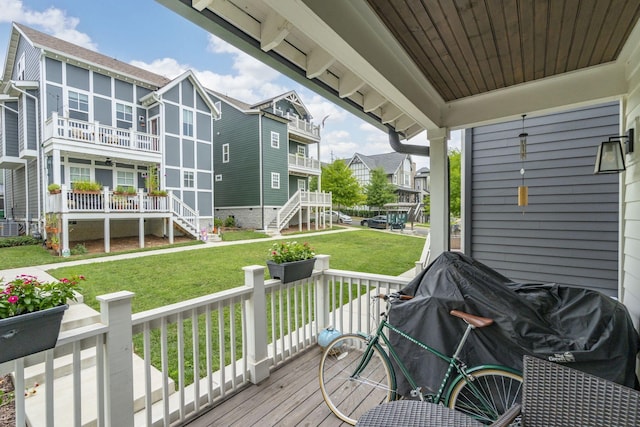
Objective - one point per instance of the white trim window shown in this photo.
(275, 180)
(187, 122)
(218, 106)
(78, 102)
(77, 173)
(125, 179)
(301, 151)
(124, 113)
(219, 177)
(22, 68)
(302, 184)
(275, 139)
(189, 179)
(225, 153)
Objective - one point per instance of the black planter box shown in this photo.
(30, 333)
(291, 271)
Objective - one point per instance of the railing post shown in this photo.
(115, 311)
(322, 293)
(256, 309)
(107, 199)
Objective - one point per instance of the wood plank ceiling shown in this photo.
(468, 47)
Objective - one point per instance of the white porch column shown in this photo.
(115, 311)
(256, 308)
(438, 190)
(141, 232)
(107, 235)
(64, 244)
(322, 294)
(170, 230)
(55, 165)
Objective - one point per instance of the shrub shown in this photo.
(8, 242)
(79, 249)
(230, 222)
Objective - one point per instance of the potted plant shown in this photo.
(31, 313)
(55, 242)
(122, 190)
(87, 187)
(291, 261)
(51, 222)
(54, 189)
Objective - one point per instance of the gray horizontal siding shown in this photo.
(568, 234)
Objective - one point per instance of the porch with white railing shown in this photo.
(96, 134)
(109, 205)
(299, 125)
(213, 347)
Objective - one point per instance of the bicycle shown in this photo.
(356, 374)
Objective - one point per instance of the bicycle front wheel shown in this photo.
(353, 380)
(486, 394)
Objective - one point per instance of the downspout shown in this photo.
(40, 162)
(394, 141)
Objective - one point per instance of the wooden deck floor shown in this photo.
(289, 397)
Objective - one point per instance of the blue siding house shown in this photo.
(163, 156)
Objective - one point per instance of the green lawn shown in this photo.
(25, 256)
(165, 279)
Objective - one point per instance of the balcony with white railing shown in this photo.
(301, 127)
(94, 135)
(301, 164)
(105, 201)
(191, 355)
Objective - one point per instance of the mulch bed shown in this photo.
(7, 410)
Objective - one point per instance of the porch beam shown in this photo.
(273, 31)
(318, 61)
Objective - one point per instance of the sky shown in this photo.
(148, 35)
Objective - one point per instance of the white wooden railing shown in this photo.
(248, 331)
(98, 134)
(301, 162)
(189, 218)
(105, 201)
(301, 125)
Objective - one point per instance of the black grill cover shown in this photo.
(585, 329)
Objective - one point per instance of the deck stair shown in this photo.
(78, 315)
(301, 199)
(184, 218)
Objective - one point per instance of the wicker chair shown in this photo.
(556, 396)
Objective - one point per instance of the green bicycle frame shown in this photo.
(453, 361)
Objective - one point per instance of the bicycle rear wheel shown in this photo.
(347, 393)
(490, 393)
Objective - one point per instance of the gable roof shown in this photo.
(389, 162)
(80, 54)
(292, 97)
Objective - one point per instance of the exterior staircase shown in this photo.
(301, 199)
(415, 213)
(184, 218)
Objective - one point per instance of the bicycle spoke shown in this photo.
(488, 395)
(349, 393)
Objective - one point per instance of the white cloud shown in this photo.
(53, 21)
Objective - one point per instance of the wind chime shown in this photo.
(523, 190)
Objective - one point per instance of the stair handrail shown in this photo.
(190, 216)
(284, 213)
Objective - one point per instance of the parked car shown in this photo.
(337, 217)
(380, 221)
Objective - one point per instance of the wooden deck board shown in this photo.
(289, 397)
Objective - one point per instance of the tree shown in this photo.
(313, 183)
(379, 191)
(339, 180)
(454, 182)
